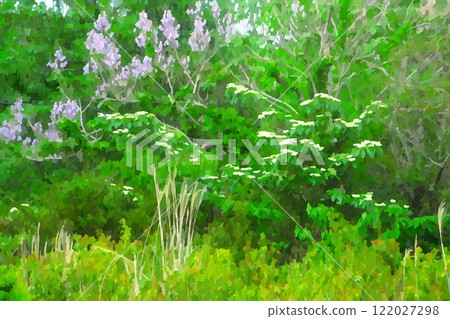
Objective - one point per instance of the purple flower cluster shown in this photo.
(122, 76)
(52, 134)
(197, 11)
(144, 24)
(215, 9)
(139, 68)
(69, 110)
(60, 61)
(199, 38)
(185, 64)
(10, 130)
(91, 66)
(97, 43)
(297, 8)
(102, 23)
(169, 29)
(101, 90)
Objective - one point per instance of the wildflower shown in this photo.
(144, 23)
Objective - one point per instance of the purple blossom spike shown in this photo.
(169, 29)
(144, 23)
(60, 61)
(52, 134)
(34, 143)
(199, 38)
(197, 11)
(102, 23)
(38, 128)
(69, 110)
(215, 9)
(26, 141)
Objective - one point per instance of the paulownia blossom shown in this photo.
(215, 9)
(97, 43)
(68, 109)
(169, 29)
(60, 61)
(139, 68)
(199, 38)
(144, 24)
(10, 130)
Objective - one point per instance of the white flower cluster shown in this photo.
(367, 143)
(326, 96)
(306, 102)
(301, 123)
(241, 89)
(367, 196)
(354, 123)
(118, 116)
(125, 130)
(269, 134)
(265, 113)
(311, 143)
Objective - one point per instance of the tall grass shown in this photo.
(177, 213)
(441, 212)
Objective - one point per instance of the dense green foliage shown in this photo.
(361, 84)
